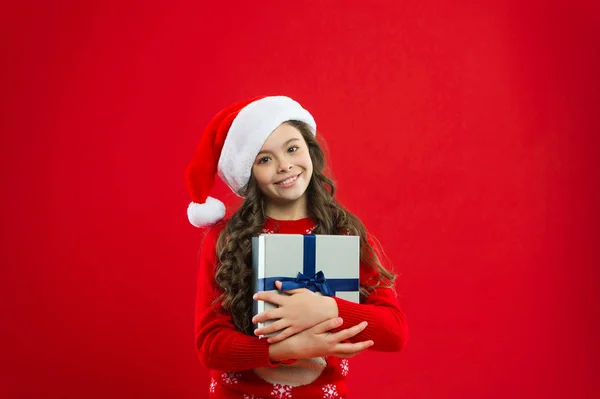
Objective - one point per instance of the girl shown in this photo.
(265, 150)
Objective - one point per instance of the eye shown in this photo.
(293, 148)
(263, 160)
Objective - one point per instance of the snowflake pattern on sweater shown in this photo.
(213, 385)
(271, 228)
(281, 391)
(231, 377)
(345, 365)
(329, 391)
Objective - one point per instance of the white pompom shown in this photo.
(207, 214)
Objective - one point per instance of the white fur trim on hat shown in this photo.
(248, 132)
(207, 214)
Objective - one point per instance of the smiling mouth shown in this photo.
(288, 181)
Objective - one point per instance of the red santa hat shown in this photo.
(229, 147)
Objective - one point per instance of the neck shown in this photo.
(287, 211)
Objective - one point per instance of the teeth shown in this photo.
(288, 181)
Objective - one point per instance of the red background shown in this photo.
(464, 134)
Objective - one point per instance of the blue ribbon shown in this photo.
(314, 281)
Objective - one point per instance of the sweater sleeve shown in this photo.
(219, 344)
(387, 324)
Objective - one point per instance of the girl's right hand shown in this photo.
(317, 341)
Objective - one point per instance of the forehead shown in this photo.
(280, 136)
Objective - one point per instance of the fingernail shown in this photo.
(339, 320)
(254, 297)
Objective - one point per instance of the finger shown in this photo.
(279, 284)
(347, 355)
(347, 348)
(271, 328)
(299, 291)
(270, 314)
(271, 297)
(348, 332)
(288, 332)
(327, 325)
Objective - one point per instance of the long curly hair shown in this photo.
(234, 245)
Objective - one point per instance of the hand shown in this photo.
(319, 342)
(300, 310)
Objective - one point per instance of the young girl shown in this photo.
(265, 150)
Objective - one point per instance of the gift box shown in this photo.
(325, 264)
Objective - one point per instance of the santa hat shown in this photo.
(229, 147)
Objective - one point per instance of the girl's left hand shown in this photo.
(300, 310)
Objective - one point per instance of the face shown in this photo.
(283, 167)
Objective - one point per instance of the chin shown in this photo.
(288, 197)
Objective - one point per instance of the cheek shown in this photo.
(261, 175)
(256, 174)
(308, 162)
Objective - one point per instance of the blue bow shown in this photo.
(316, 283)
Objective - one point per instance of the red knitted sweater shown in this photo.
(234, 359)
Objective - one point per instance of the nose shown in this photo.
(284, 166)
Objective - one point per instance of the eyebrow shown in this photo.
(283, 146)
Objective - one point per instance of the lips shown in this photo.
(288, 181)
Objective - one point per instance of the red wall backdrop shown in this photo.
(464, 134)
